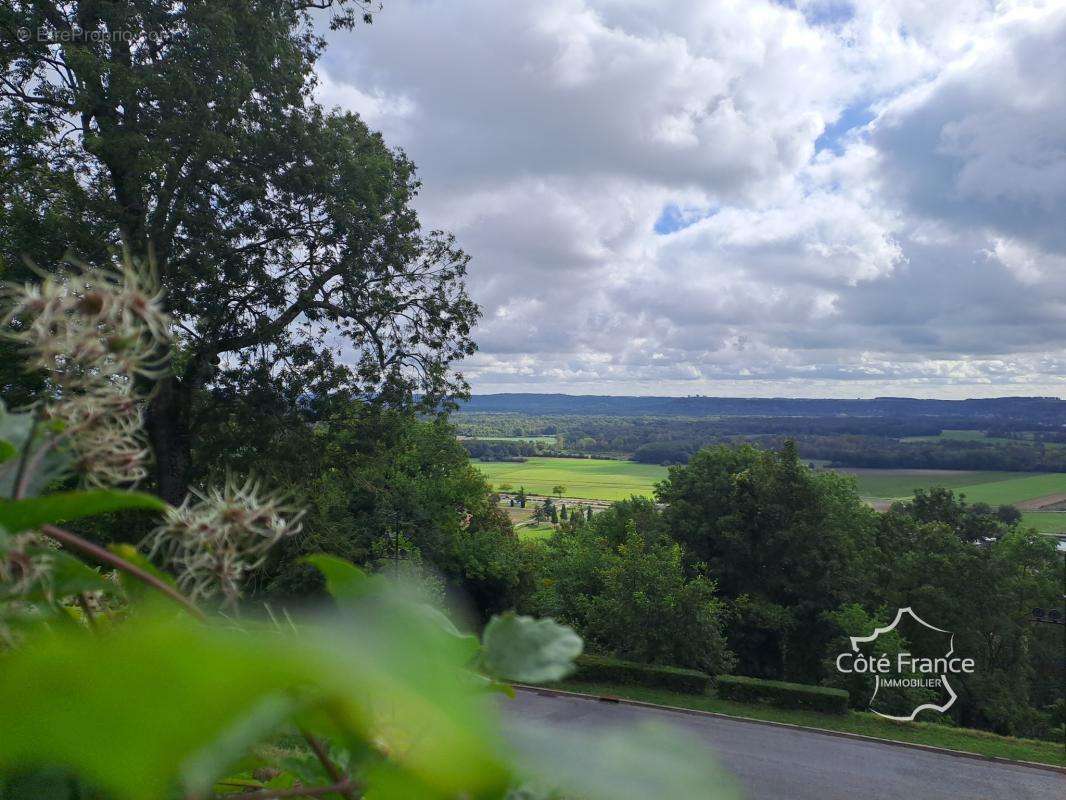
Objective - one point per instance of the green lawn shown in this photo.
(964, 739)
(537, 530)
(589, 478)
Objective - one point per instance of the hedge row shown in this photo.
(783, 695)
(600, 669)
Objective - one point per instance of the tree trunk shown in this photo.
(168, 431)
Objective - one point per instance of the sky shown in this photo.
(810, 198)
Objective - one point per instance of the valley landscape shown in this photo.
(520, 454)
(532, 400)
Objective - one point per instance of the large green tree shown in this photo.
(784, 543)
(382, 487)
(281, 232)
(629, 594)
(984, 594)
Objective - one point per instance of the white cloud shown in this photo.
(984, 143)
(917, 249)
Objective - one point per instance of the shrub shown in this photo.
(784, 695)
(628, 594)
(600, 669)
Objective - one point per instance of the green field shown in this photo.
(1018, 489)
(994, 488)
(958, 435)
(1045, 521)
(544, 439)
(895, 483)
(605, 479)
(589, 478)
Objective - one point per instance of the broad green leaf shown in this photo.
(32, 512)
(343, 580)
(132, 586)
(631, 763)
(70, 576)
(389, 783)
(7, 451)
(126, 712)
(528, 650)
(346, 582)
(135, 711)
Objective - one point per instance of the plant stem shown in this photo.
(107, 557)
(19, 486)
(322, 754)
(35, 463)
(344, 787)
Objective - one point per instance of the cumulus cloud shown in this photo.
(984, 143)
(818, 197)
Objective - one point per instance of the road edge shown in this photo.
(791, 725)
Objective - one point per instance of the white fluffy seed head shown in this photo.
(94, 331)
(106, 433)
(85, 326)
(213, 540)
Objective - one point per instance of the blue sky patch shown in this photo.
(674, 218)
(853, 117)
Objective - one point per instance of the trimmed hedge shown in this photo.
(600, 669)
(783, 695)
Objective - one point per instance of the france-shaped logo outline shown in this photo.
(952, 697)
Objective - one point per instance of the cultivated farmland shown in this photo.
(1045, 521)
(588, 478)
(530, 439)
(889, 484)
(994, 488)
(604, 479)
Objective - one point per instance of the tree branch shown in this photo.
(327, 763)
(75, 542)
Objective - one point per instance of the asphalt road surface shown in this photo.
(775, 763)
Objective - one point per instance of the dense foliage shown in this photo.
(802, 562)
(629, 595)
(189, 133)
(784, 544)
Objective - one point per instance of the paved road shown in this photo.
(784, 764)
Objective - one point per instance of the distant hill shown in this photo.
(1044, 410)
